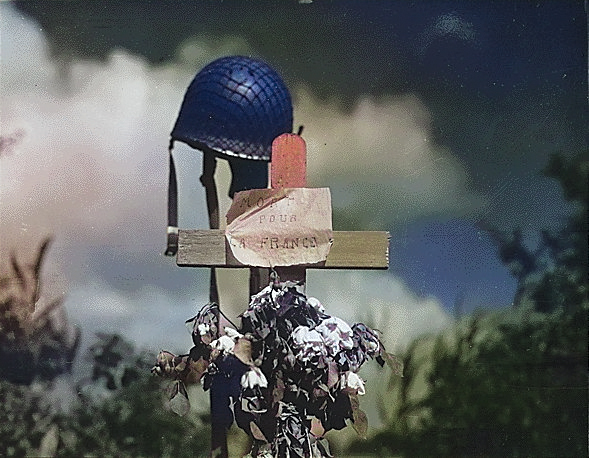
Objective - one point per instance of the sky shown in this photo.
(424, 120)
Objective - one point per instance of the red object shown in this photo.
(289, 162)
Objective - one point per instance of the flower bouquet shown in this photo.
(286, 376)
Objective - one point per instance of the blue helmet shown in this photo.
(235, 106)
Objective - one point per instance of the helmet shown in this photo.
(235, 106)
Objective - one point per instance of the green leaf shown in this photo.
(179, 403)
(257, 432)
(394, 362)
(359, 418)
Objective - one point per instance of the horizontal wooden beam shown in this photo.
(350, 250)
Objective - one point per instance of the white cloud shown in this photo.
(379, 300)
(91, 169)
(382, 161)
(91, 166)
(147, 318)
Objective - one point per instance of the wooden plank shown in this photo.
(350, 250)
(359, 250)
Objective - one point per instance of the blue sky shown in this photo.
(454, 261)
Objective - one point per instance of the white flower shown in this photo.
(351, 382)
(224, 343)
(308, 341)
(337, 334)
(203, 328)
(254, 377)
(267, 290)
(314, 302)
(302, 335)
(232, 333)
(373, 346)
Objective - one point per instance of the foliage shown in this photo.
(555, 273)
(118, 410)
(565, 283)
(25, 419)
(34, 345)
(132, 423)
(499, 386)
(117, 415)
(511, 383)
(129, 420)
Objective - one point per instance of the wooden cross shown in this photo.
(349, 250)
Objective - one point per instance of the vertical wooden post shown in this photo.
(289, 170)
(207, 179)
(218, 428)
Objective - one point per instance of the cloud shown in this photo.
(148, 318)
(90, 165)
(90, 168)
(382, 162)
(380, 301)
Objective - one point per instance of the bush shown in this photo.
(499, 385)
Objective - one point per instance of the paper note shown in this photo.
(280, 227)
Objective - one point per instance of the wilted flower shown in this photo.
(352, 383)
(227, 342)
(253, 378)
(223, 343)
(308, 342)
(292, 437)
(289, 362)
(203, 328)
(232, 333)
(337, 334)
(164, 363)
(367, 338)
(314, 302)
(178, 399)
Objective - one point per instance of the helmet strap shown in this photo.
(172, 247)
